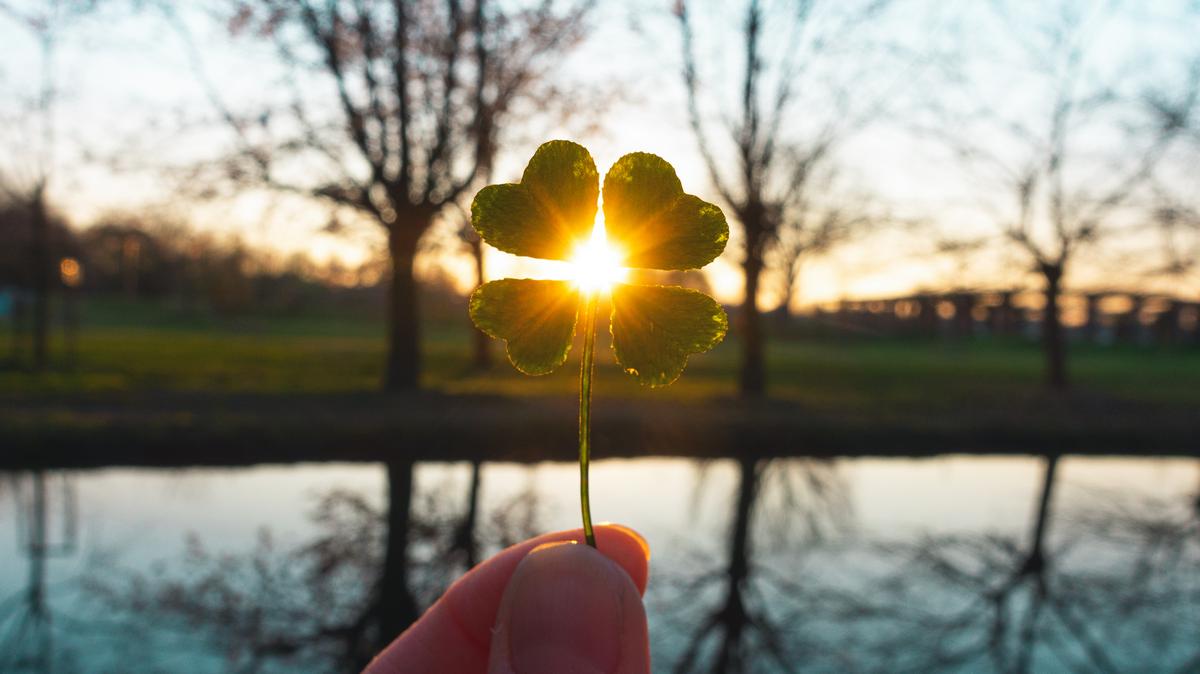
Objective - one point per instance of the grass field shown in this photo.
(150, 386)
(126, 347)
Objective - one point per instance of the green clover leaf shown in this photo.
(658, 226)
(647, 216)
(552, 207)
(535, 318)
(655, 328)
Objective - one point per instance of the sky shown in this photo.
(129, 83)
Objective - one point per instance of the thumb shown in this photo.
(570, 610)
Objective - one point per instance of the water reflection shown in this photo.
(397, 607)
(795, 570)
(1109, 588)
(740, 629)
(327, 604)
(26, 620)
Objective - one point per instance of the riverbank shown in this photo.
(182, 429)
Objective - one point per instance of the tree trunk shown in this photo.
(481, 343)
(1196, 503)
(1034, 568)
(131, 251)
(70, 314)
(791, 289)
(38, 653)
(403, 369)
(40, 259)
(927, 318)
(964, 321)
(397, 607)
(1008, 315)
(731, 651)
(1091, 329)
(1036, 561)
(752, 381)
(464, 538)
(1053, 340)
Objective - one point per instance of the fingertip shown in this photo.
(569, 608)
(628, 549)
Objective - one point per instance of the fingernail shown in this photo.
(641, 540)
(564, 611)
(552, 544)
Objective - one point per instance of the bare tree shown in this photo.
(788, 119)
(481, 349)
(1072, 157)
(1179, 231)
(26, 176)
(1175, 203)
(819, 220)
(423, 92)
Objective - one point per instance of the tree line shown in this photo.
(196, 272)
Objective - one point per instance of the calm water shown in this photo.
(845, 565)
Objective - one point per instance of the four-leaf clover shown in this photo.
(648, 218)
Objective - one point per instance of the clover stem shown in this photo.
(585, 413)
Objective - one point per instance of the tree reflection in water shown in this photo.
(744, 631)
(1113, 589)
(1110, 582)
(1110, 585)
(322, 605)
(47, 527)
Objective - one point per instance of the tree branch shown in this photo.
(693, 96)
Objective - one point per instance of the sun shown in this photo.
(596, 265)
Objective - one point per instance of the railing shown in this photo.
(1101, 317)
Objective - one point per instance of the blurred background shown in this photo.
(247, 426)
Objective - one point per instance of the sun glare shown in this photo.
(596, 265)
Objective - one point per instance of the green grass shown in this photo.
(140, 347)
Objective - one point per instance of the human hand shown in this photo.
(550, 605)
